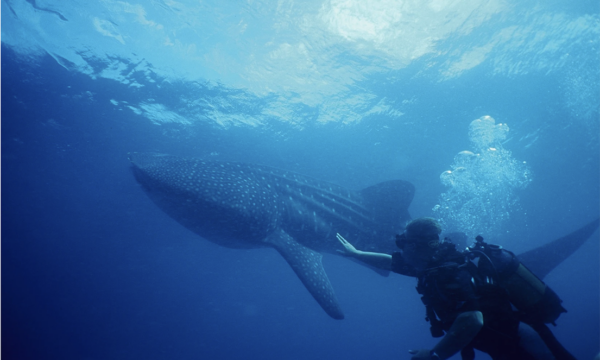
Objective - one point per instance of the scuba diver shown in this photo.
(470, 296)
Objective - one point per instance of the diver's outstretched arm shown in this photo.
(378, 260)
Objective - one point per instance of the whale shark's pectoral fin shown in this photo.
(306, 263)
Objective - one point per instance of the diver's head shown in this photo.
(420, 233)
(420, 241)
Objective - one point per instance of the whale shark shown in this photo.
(245, 206)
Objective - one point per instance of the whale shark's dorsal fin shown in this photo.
(545, 258)
(307, 264)
(389, 202)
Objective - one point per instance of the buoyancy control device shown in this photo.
(536, 302)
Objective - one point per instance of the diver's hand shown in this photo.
(349, 249)
(423, 354)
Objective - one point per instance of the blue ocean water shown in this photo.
(337, 90)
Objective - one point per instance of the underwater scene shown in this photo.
(175, 172)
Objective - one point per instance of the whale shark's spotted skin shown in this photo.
(246, 206)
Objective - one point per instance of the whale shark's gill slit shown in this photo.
(343, 212)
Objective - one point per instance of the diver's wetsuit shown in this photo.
(449, 287)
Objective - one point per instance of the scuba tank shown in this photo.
(536, 302)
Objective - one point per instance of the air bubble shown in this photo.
(480, 187)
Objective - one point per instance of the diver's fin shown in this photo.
(306, 263)
(389, 202)
(545, 258)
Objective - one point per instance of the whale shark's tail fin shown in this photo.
(545, 258)
(307, 264)
(389, 202)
